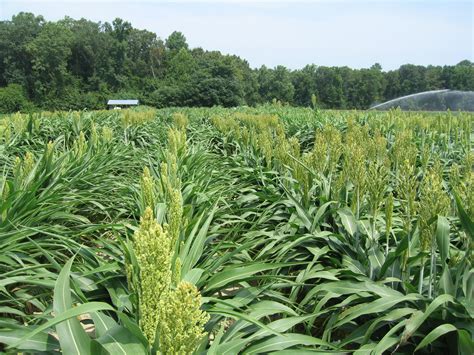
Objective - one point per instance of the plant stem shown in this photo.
(405, 267)
(358, 202)
(422, 271)
(373, 225)
(432, 270)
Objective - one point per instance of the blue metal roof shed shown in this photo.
(120, 103)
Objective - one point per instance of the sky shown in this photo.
(293, 33)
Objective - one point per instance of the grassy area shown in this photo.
(248, 230)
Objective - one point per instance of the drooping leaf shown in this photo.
(435, 334)
(40, 342)
(119, 340)
(72, 336)
(282, 342)
(419, 317)
(239, 273)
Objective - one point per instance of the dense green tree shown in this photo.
(433, 78)
(50, 52)
(216, 81)
(12, 99)
(15, 59)
(392, 88)
(121, 29)
(180, 67)
(305, 85)
(76, 64)
(364, 87)
(247, 80)
(85, 47)
(329, 87)
(166, 96)
(412, 79)
(175, 42)
(463, 76)
(275, 84)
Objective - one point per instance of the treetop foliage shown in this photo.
(78, 64)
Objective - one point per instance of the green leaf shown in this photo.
(419, 318)
(402, 246)
(231, 347)
(392, 316)
(38, 342)
(70, 313)
(388, 339)
(194, 246)
(380, 305)
(280, 326)
(348, 220)
(266, 307)
(466, 221)
(133, 328)
(239, 316)
(234, 274)
(435, 334)
(282, 342)
(367, 349)
(72, 337)
(442, 237)
(351, 287)
(10, 310)
(193, 275)
(445, 282)
(301, 212)
(465, 343)
(102, 323)
(120, 340)
(320, 213)
(309, 351)
(468, 283)
(215, 343)
(376, 259)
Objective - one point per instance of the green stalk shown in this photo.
(373, 225)
(330, 183)
(358, 202)
(432, 270)
(405, 268)
(422, 271)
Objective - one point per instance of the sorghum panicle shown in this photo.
(152, 248)
(147, 185)
(181, 326)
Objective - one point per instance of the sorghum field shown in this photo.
(226, 231)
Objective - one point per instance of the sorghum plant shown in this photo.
(152, 250)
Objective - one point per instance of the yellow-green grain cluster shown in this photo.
(147, 188)
(181, 326)
(133, 118)
(152, 248)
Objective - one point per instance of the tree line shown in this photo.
(78, 64)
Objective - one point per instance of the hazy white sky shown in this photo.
(293, 33)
